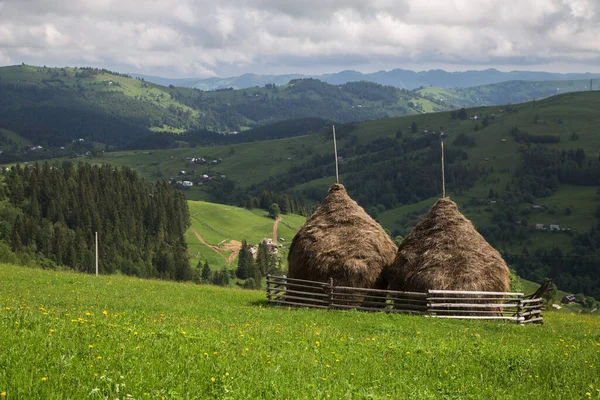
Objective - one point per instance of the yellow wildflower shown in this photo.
(212, 378)
(44, 379)
(3, 394)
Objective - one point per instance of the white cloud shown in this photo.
(206, 38)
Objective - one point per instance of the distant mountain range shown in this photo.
(400, 78)
(60, 107)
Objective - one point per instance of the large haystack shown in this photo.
(342, 242)
(445, 252)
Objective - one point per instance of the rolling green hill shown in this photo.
(510, 92)
(217, 231)
(52, 107)
(511, 168)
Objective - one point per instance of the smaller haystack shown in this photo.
(340, 241)
(445, 252)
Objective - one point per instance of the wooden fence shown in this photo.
(435, 303)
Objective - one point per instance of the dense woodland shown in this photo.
(50, 214)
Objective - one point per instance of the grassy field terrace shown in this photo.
(67, 335)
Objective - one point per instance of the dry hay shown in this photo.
(445, 252)
(341, 241)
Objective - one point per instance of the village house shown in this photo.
(271, 246)
(554, 227)
(540, 227)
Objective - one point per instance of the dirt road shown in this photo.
(274, 232)
(233, 245)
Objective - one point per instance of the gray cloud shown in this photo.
(207, 38)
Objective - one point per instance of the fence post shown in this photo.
(519, 309)
(429, 299)
(330, 293)
(282, 297)
(268, 289)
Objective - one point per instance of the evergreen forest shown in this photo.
(50, 215)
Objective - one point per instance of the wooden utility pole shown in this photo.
(96, 253)
(443, 176)
(337, 177)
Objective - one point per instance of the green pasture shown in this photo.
(67, 335)
(217, 224)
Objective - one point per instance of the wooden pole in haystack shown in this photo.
(443, 176)
(337, 177)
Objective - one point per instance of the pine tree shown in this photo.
(205, 272)
(244, 261)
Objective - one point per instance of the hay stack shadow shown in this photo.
(341, 241)
(445, 252)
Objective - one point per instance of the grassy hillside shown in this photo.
(222, 229)
(54, 106)
(510, 92)
(77, 336)
(251, 163)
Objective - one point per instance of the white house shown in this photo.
(187, 183)
(554, 227)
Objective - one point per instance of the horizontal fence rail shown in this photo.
(451, 304)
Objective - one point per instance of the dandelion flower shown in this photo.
(3, 394)
(91, 346)
(105, 312)
(212, 378)
(44, 379)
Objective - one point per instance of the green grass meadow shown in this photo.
(73, 336)
(218, 224)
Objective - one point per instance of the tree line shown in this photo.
(51, 214)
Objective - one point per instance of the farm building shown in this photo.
(340, 241)
(445, 252)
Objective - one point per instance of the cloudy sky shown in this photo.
(198, 38)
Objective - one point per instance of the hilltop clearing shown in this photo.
(217, 232)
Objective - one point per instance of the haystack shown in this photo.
(340, 241)
(445, 252)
